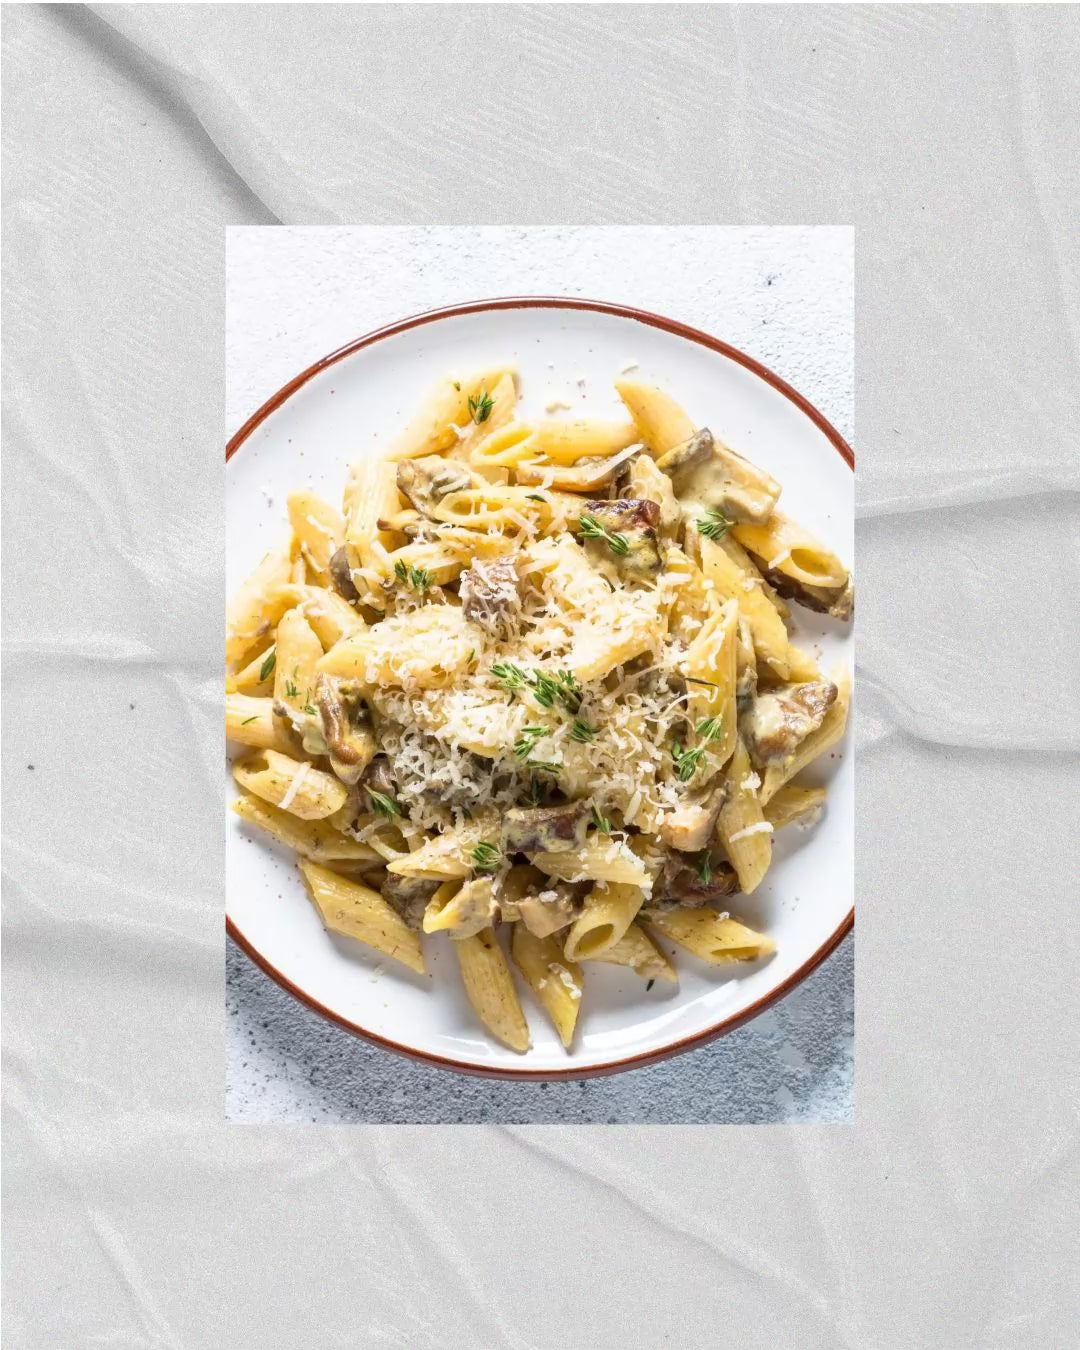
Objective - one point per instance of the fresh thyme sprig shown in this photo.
(547, 689)
(581, 731)
(592, 529)
(267, 667)
(544, 765)
(687, 761)
(480, 406)
(526, 742)
(485, 857)
(384, 805)
(416, 577)
(715, 525)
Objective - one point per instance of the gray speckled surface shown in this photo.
(793, 1063)
(135, 1215)
(783, 295)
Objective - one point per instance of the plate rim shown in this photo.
(688, 333)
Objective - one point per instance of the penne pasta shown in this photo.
(318, 529)
(736, 579)
(610, 909)
(556, 980)
(298, 654)
(599, 860)
(358, 912)
(741, 827)
(314, 839)
(639, 952)
(450, 404)
(257, 606)
(784, 546)
(567, 442)
(290, 784)
(490, 989)
(792, 805)
(712, 937)
(251, 721)
(660, 422)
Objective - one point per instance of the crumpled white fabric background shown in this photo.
(292, 295)
(135, 1216)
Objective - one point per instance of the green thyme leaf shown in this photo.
(535, 497)
(480, 406)
(705, 868)
(511, 677)
(601, 822)
(291, 689)
(384, 805)
(544, 765)
(649, 985)
(523, 746)
(266, 669)
(715, 526)
(592, 529)
(485, 857)
(581, 731)
(249, 719)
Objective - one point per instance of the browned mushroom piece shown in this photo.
(545, 829)
(585, 475)
(689, 827)
(777, 722)
(341, 575)
(709, 476)
(350, 742)
(838, 603)
(409, 896)
(687, 453)
(553, 907)
(377, 777)
(491, 595)
(681, 885)
(428, 480)
(632, 521)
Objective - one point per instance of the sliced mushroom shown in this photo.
(491, 595)
(689, 827)
(427, 481)
(552, 908)
(341, 575)
(586, 475)
(838, 603)
(350, 742)
(777, 722)
(708, 476)
(377, 777)
(681, 885)
(545, 829)
(409, 896)
(634, 521)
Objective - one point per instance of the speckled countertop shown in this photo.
(783, 295)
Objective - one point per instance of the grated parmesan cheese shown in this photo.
(294, 786)
(557, 405)
(774, 563)
(762, 827)
(750, 783)
(565, 978)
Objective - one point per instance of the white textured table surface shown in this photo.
(782, 295)
(135, 1215)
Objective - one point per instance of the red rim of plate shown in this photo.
(692, 335)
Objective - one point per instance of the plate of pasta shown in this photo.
(538, 644)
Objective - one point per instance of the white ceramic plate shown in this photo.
(352, 403)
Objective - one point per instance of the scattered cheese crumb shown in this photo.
(557, 405)
(750, 783)
(565, 978)
(265, 490)
(774, 563)
(762, 827)
(629, 365)
(294, 786)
